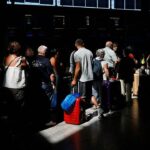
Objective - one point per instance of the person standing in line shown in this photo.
(43, 79)
(58, 69)
(15, 84)
(126, 71)
(110, 57)
(30, 55)
(83, 60)
(98, 81)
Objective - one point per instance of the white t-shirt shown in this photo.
(85, 57)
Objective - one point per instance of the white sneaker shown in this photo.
(111, 112)
(106, 114)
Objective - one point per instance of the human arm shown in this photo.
(24, 63)
(53, 63)
(52, 77)
(72, 63)
(106, 71)
(114, 57)
(76, 74)
(148, 61)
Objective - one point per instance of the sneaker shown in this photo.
(106, 114)
(110, 112)
(50, 124)
(95, 113)
(101, 116)
(96, 107)
(89, 117)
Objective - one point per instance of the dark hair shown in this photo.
(14, 47)
(115, 43)
(53, 52)
(79, 42)
(127, 50)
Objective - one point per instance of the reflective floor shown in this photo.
(126, 129)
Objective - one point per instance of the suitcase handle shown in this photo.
(73, 88)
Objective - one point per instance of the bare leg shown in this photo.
(94, 101)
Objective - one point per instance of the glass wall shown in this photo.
(130, 4)
(68, 2)
(127, 4)
(85, 3)
(106, 4)
(91, 3)
(138, 4)
(33, 2)
(119, 4)
(79, 3)
(103, 3)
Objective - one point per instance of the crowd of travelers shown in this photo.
(33, 87)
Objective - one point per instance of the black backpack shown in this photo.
(97, 69)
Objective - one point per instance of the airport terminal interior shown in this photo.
(57, 24)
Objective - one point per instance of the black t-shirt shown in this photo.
(42, 69)
(126, 69)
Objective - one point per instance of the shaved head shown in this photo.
(109, 44)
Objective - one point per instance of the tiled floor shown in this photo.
(126, 129)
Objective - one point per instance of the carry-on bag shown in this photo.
(76, 114)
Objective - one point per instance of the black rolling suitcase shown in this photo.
(111, 95)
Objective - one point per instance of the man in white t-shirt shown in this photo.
(83, 59)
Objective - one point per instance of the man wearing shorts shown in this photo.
(83, 68)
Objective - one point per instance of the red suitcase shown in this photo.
(75, 115)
